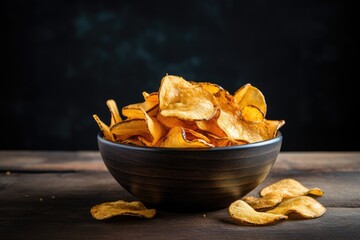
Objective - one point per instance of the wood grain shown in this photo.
(42, 199)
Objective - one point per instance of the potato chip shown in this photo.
(129, 128)
(156, 130)
(179, 98)
(243, 213)
(151, 98)
(211, 126)
(171, 122)
(115, 115)
(268, 201)
(249, 95)
(135, 141)
(302, 207)
(185, 138)
(110, 209)
(251, 113)
(135, 111)
(289, 187)
(211, 87)
(223, 141)
(104, 128)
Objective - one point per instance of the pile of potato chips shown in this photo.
(186, 114)
(284, 199)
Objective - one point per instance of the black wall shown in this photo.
(62, 60)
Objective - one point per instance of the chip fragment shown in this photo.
(243, 213)
(301, 207)
(110, 209)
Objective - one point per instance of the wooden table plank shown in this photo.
(41, 199)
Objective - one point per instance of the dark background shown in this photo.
(62, 60)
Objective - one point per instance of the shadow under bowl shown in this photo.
(189, 180)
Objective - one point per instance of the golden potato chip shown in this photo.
(151, 98)
(110, 209)
(251, 113)
(243, 213)
(135, 141)
(179, 98)
(179, 137)
(211, 87)
(270, 200)
(289, 187)
(104, 128)
(300, 207)
(211, 126)
(156, 130)
(115, 115)
(226, 102)
(249, 95)
(129, 128)
(135, 111)
(223, 141)
(171, 122)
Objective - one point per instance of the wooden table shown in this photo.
(48, 195)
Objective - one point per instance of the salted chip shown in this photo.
(104, 128)
(179, 137)
(268, 201)
(303, 207)
(243, 213)
(179, 98)
(111, 209)
(289, 187)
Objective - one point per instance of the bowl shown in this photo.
(189, 180)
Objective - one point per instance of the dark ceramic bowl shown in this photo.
(175, 179)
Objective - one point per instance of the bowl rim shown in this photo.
(278, 138)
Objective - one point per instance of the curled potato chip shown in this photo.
(249, 95)
(211, 87)
(110, 209)
(243, 213)
(303, 207)
(179, 98)
(104, 128)
(211, 126)
(156, 130)
(115, 115)
(223, 141)
(251, 113)
(171, 122)
(129, 128)
(266, 202)
(185, 138)
(289, 187)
